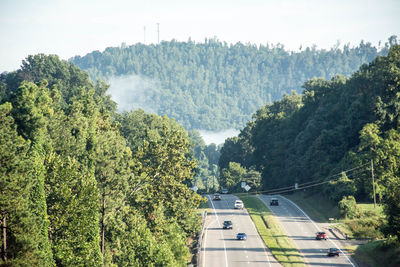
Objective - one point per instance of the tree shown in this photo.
(343, 187)
(72, 199)
(348, 207)
(22, 203)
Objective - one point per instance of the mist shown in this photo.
(217, 137)
(133, 92)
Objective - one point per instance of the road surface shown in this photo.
(302, 230)
(220, 247)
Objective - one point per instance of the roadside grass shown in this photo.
(367, 226)
(203, 205)
(378, 253)
(369, 208)
(271, 232)
(318, 213)
(375, 253)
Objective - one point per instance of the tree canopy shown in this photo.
(334, 125)
(213, 85)
(81, 185)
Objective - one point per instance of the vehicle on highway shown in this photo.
(239, 204)
(224, 191)
(274, 202)
(217, 197)
(333, 252)
(241, 236)
(320, 236)
(227, 225)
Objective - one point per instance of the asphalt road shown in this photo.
(302, 230)
(220, 247)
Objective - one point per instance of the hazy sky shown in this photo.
(77, 27)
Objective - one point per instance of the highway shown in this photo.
(220, 247)
(302, 231)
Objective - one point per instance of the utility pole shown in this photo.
(158, 33)
(144, 35)
(373, 182)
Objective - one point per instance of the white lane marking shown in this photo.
(215, 212)
(344, 254)
(205, 242)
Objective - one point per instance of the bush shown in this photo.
(348, 208)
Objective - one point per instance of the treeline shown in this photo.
(213, 85)
(206, 177)
(81, 185)
(333, 126)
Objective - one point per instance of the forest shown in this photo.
(215, 85)
(332, 135)
(83, 185)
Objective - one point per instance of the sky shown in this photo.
(77, 27)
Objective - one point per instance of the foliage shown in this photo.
(235, 174)
(22, 202)
(213, 85)
(335, 125)
(78, 187)
(348, 207)
(343, 187)
(379, 253)
(207, 171)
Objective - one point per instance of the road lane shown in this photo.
(220, 247)
(302, 230)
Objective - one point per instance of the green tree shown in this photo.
(72, 199)
(348, 207)
(341, 188)
(22, 202)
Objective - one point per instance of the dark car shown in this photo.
(320, 236)
(274, 202)
(241, 236)
(227, 225)
(217, 197)
(333, 252)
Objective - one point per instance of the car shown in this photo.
(320, 236)
(239, 204)
(227, 225)
(274, 202)
(224, 191)
(217, 197)
(333, 252)
(241, 236)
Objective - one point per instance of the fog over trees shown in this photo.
(215, 85)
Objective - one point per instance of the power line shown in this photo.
(312, 183)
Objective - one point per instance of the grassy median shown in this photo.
(271, 232)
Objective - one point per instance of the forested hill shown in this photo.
(342, 124)
(213, 85)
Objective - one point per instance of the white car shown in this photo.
(239, 204)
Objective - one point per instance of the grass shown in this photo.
(379, 253)
(369, 207)
(271, 232)
(318, 213)
(375, 253)
(203, 205)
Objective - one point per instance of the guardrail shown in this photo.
(200, 241)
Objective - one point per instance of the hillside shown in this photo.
(213, 85)
(327, 139)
